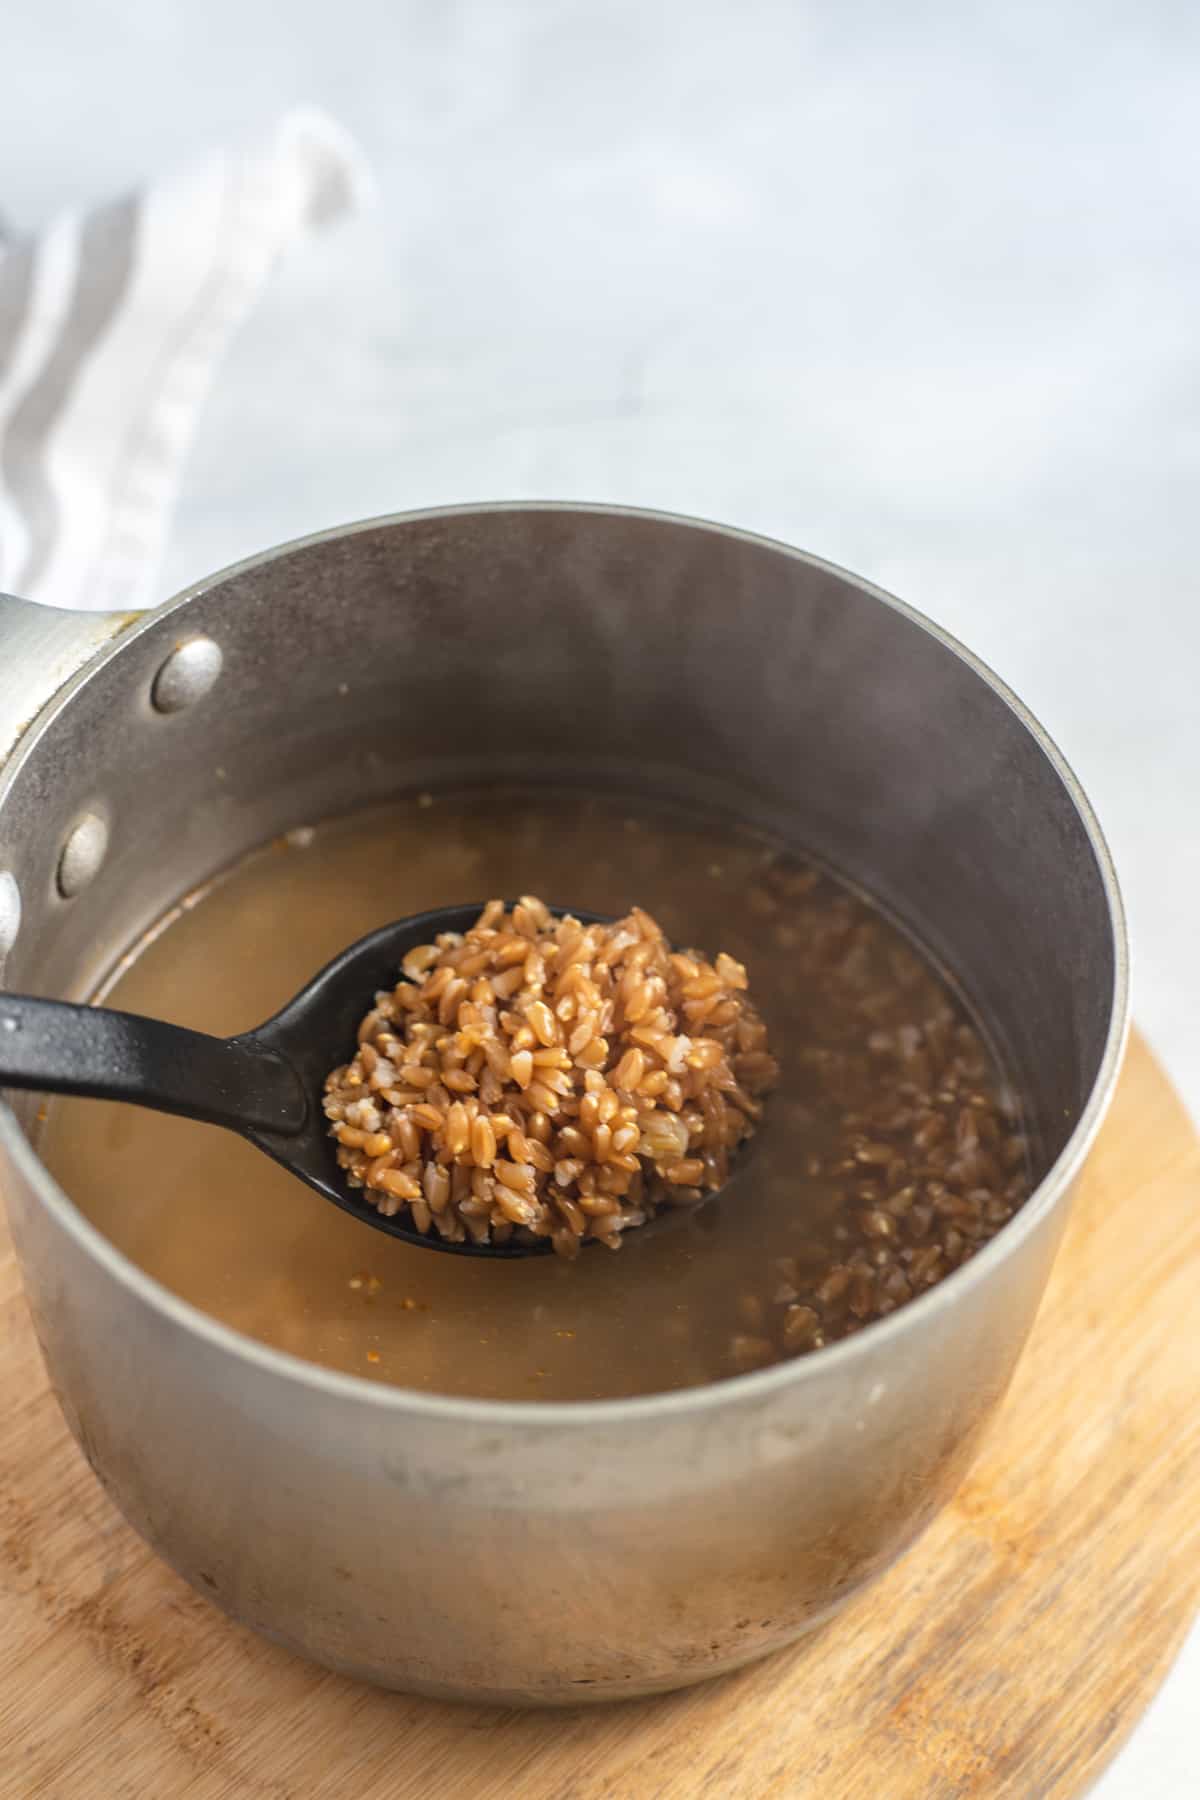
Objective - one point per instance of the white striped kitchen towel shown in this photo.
(111, 326)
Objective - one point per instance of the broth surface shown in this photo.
(710, 1294)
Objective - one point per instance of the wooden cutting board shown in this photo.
(1008, 1654)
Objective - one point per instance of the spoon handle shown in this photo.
(54, 1047)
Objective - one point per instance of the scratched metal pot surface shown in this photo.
(525, 1552)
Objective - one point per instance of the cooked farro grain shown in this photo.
(878, 1051)
(539, 1077)
(925, 1156)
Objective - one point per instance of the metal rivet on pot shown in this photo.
(82, 855)
(10, 912)
(187, 675)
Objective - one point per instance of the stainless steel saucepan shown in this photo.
(526, 1552)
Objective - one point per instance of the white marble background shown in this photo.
(915, 286)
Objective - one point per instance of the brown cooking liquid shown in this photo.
(221, 1226)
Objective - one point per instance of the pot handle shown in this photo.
(41, 648)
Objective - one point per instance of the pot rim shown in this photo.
(760, 1385)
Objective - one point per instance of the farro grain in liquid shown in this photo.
(889, 1152)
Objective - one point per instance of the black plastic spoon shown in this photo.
(266, 1084)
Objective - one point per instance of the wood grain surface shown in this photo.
(1008, 1654)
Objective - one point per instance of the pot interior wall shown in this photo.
(587, 646)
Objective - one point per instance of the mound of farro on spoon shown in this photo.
(540, 1077)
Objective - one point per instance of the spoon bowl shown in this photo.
(265, 1084)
